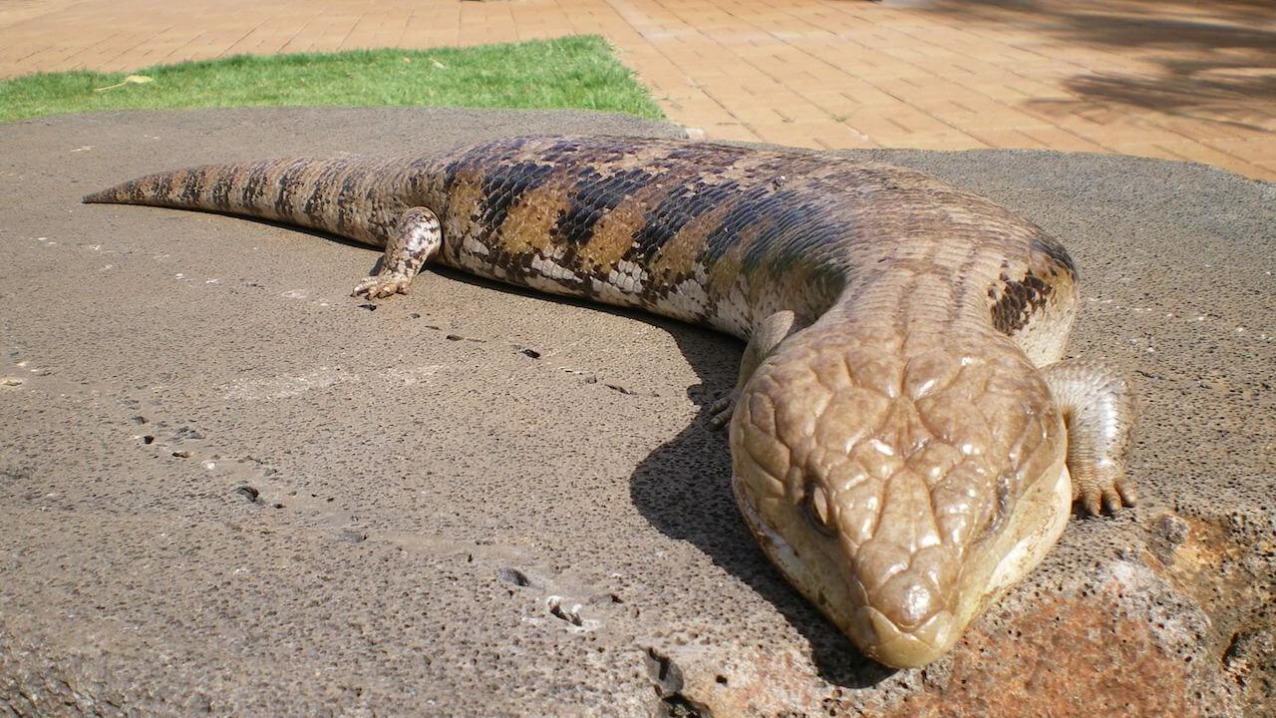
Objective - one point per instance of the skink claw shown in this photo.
(382, 285)
(1109, 499)
(722, 410)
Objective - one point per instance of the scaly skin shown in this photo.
(903, 435)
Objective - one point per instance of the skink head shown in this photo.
(899, 485)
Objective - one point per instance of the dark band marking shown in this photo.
(219, 193)
(778, 214)
(500, 190)
(254, 182)
(747, 211)
(192, 186)
(1055, 251)
(347, 202)
(318, 206)
(161, 187)
(593, 195)
(287, 187)
(493, 156)
(1018, 301)
(663, 222)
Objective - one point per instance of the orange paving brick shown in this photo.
(1166, 78)
(1061, 140)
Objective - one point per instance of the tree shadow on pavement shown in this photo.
(1211, 61)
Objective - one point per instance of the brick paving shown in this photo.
(1180, 79)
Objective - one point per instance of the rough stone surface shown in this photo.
(230, 490)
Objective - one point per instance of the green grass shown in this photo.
(576, 72)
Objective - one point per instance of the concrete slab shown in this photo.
(232, 490)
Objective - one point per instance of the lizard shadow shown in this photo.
(683, 488)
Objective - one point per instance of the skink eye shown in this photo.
(815, 507)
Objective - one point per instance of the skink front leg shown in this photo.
(416, 238)
(1099, 414)
(766, 336)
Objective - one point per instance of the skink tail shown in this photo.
(323, 194)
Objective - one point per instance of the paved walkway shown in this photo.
(1180, 79)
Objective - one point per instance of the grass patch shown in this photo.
(573, 72)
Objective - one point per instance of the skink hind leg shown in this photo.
(1098, 410)
(416, 238)
(766, 336)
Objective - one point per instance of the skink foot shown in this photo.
(1098, 410)
(721, 410)
(382, 285)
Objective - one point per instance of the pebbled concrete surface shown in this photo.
(231, 490)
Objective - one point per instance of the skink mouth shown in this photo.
(887, 643)
(772, 542)
(871, 629)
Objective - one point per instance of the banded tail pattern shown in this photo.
(344, 196)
